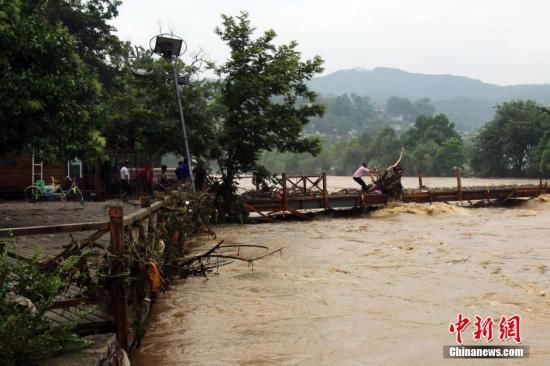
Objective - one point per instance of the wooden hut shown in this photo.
(20, 170)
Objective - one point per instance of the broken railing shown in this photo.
(136, 226)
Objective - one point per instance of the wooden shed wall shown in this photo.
(16, 172)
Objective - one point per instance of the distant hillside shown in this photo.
(469, 102)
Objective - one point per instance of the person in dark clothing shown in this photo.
(199, 174)
(145, 179)
(182, 171)
(163, 179)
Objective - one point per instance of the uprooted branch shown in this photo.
(213, 258)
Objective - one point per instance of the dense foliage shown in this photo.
(432, 145)
(264, 99)
(351, 115)
(469, 103)
(26, 293)
(142, 113)
(49, 97)
(515, 142)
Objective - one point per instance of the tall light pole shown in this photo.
(170, 48)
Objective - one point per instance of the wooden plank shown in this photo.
(120, 300)
(253, 209)
(153, 222)
(67, 303)
(145, 229)
(315, 184)
(295, 184)
(134, 232)
(325, 191)
(53, 229)
(145, 212)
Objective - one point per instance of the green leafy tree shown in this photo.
(449, 155)
(437, 128)
(504, 147)
(397, 106)
(422, 107)
(143, 115)
(264, 98)
(385, 148)
(433, 146)
(88, 21)
(540, 163)
(342, 106)
(48, 95)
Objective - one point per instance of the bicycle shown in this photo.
(53, 192)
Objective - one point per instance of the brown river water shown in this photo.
(377, 289)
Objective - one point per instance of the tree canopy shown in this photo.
(432, 146)
(513, 143)
(143, 115)
(263, 96)
(48, 95)
(54, 58)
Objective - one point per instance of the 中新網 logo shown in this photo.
(508, 328)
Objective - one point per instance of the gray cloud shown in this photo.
(502, 42)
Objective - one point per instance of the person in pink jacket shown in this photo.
(361, 172)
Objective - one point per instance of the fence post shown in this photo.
(120, 298)
(420, 185)
(285, 196)
(325, 191)
(459, 184)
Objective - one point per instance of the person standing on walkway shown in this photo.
(199, 173)
(145, 179)
(182, 172)
(361, 172)
(125, 179)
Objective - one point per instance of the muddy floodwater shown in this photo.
(379, 289)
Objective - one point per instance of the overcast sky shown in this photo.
(498, 41)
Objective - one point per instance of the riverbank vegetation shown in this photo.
(514, 144)
(27, 292)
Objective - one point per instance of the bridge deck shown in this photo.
(324, 200)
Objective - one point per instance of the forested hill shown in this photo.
(382, 83)
(468, 102)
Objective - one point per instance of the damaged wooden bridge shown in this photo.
(299, 194)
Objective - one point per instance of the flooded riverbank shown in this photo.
(376, 289)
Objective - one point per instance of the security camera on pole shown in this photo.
(170, 47)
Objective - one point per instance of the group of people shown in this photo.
(183, 174)
(145, 177)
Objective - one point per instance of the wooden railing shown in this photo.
(138, 226)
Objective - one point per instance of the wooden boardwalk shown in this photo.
(41, 229)
(299, 193)
(24, 218)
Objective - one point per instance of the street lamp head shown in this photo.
(168, 46)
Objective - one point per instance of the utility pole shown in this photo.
(170, 48)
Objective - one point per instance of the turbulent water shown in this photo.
(378, 289)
